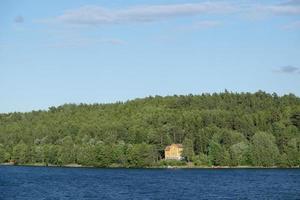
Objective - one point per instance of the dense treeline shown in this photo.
(232, 129)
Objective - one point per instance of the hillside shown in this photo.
(229, 129)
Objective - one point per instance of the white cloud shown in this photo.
(101, 15)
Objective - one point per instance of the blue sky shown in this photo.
(56, 52)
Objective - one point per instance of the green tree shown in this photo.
(219, 126)
(103, 154)
(21, 153)
(86, 155)
(264, 151)
(118, 154)
(293, 152)
(141, 155)
(3, 157)
(295, 118)
(50, 153)
(38, 154)
(238, 153)
(188, 149)
(201, 160)
(66, 153)
(218, 155)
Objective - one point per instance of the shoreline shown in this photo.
(150, 167)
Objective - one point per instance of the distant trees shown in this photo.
(50, 153)
(216, 129)
(201, 160)
(21, 153)
(239, 154)
(141, 155)
(264, 151)
(3, 154)
(218, 155)
(292, 153)
(188, 150)
(295, 119)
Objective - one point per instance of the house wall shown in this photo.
(173, 153)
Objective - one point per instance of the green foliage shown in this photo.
(264, 151)
(103, 155)
(21, 153)
(86, 155)
(188, 150)
(141, 155)
(201, 160)
(239, 154)
(38, 154)
(218, 155)
(171, 163)
(295, 119)
(293, 152)
(66, 151)
(215, 129)
(3, 154)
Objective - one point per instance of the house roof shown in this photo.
(177, 145)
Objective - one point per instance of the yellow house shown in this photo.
(174, 152)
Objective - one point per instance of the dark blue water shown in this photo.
(87, 183)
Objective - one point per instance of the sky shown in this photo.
(87, 51)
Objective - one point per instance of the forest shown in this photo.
(219, 129)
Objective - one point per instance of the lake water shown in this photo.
(18, 182)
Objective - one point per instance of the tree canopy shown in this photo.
(258, 129)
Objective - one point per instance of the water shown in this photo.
(88, 183)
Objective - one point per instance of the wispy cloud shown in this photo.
(199, 25)
(100, 15)
(84, 42)
(19, 19)
(292, 25)
(2, 45)
(291, 2)
(285, 8)
(289, 69)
